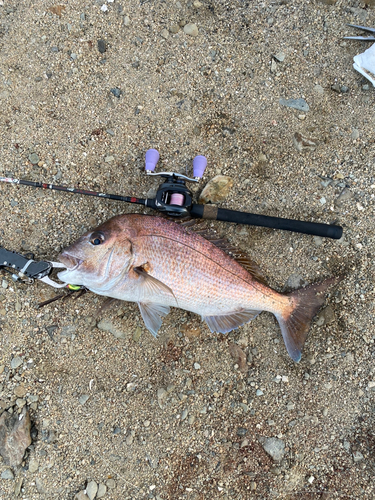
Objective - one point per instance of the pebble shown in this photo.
(299, 104)
(109, 159)
(18, 486)
(197, 366)
(107, 326)
(102, 490)
(345, 195)
(275, 447)
(20, 391)
(191, 29)
(303, 143)
(355, 134)
(34, 158)
(126, 20)
(318, 89)
(129, 440)
(239, 356)
(33, 465)
(164, 33)
(81, 496)
(7, 474)
(175, 28)
(147, 423)
(14, 436)
(280, 56)
(326, 316)
(111, 484)
(137, 334)
(4, 284)
(241, 431)
(259, 392)
(216, 190)
(184, 414)
(102, 46)
(91, 489)
(340, 89)
(83, 399)
(116, 92)
(16, 362)
(357, 456)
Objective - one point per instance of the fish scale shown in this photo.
(160, 264)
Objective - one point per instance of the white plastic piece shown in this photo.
(365, 64)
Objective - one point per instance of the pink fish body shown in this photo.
(159, 264)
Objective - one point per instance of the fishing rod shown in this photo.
(175, 199)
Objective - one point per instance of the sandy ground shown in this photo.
(175, 417)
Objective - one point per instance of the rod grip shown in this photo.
(315, 228)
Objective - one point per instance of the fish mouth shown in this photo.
(70, 261)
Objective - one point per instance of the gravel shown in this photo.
(213, 94)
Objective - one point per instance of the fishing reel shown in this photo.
(173, 196)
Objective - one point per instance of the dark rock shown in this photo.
(14, 436)
(116, 92)
(102, 46)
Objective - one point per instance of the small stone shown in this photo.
(355, 134)
(303, 143)
(34, 158)
(325, 412)
(18, 486)
(104, 8)
(4, 284)
(280, 56)
(164, 33)
(33, 465)
(102, 490)
(147, 423)
(107, 326)
(299, 104)
(216, 190)
(91, 489)
(275, 447)
(191, 419)
(241, 431)
(137, 334)
(129, 440)
(116, 92)
(197, 4)
(357, 456)
(326, 316)
(40, 486)
(16, 362)
(259, 392)
(20, 391)
(109, 159)
(197, 366)
(318, 89)
(175, 28)
(239, 356)
(191, 29)
(2, 368)
(14, 436)
(184, 414)
(83, 399)
(273, 66)
(7, 474)
(81, 496)
(4, 94)
(111, 484)
(345, 195)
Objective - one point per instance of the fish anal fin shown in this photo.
(153, 315)
(224, 323)
(296, 323)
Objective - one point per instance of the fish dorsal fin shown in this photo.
(224, 323)
(153, 315)
(238, 255)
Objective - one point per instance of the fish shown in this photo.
(160, 264)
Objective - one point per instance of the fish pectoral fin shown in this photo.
(151, 285)
(152, 315)
(224, 323)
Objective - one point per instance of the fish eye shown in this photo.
(97, 238)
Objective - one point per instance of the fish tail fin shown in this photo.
(295, 321)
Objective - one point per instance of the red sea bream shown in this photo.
(160, 264)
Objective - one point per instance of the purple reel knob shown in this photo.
(199, 166)
(152, 157)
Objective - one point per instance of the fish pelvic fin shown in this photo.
(224, 323)
(295, 322)
(153, 315)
